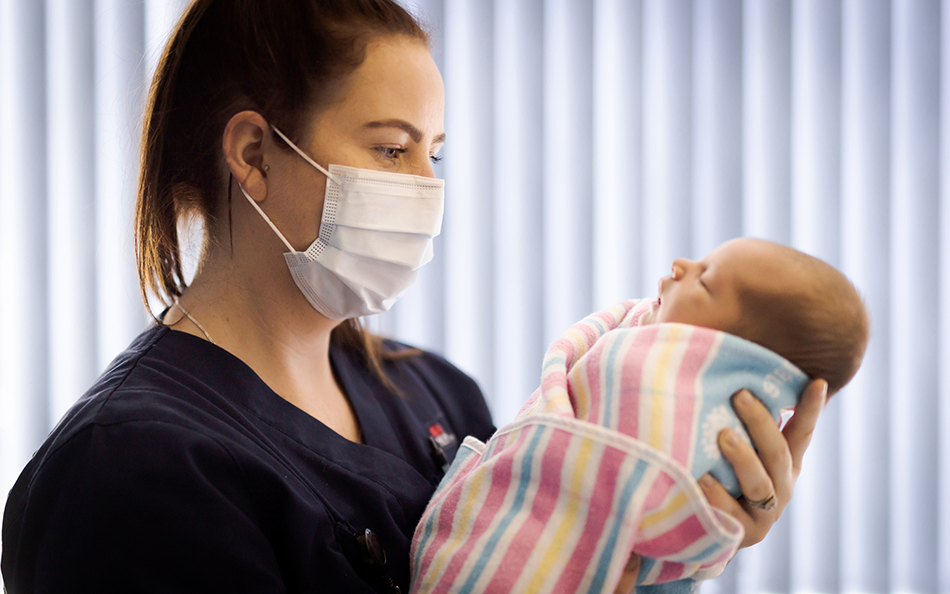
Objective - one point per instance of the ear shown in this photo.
(243, 146)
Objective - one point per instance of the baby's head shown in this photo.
(787, 301)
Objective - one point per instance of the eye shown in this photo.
(391, 153)
(436, 158)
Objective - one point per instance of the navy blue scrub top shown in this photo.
(181, 471)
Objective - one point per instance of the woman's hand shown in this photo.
(774, 469)
(771, 472)
(629, 577)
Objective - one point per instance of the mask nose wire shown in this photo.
(305, 156)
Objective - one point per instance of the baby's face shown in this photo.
(707, 293)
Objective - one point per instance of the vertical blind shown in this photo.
(590, 142)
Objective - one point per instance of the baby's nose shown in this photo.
(679, 268)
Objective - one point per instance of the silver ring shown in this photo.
(767, 504)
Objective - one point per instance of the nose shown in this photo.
(680, 267)
(423, 168)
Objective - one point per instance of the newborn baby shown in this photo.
(776, 296)
(602, 460)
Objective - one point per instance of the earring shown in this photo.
(266, 167)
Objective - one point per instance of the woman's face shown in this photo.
(387, 115)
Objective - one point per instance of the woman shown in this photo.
(256, 438)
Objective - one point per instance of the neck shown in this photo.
(253, 309)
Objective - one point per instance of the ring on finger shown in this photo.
(767, 504)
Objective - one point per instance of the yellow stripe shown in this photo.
(459, 535)
(543, 569)
(581, 395)
(657, 403)
(658, 516)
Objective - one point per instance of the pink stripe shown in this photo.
(590, 334)
(609, 319)
(472, 461)
(600, 509)
(637, 312)
(631, 375)
(448, 510)
(658, 491)
(532, 399)
(697, 349)
(593, 411)
(514, 560)
(491, 503)
(450, 501)
(674, 540)
(552, 380)
(671, 571)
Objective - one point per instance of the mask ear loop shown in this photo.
(267, 218)
(305, 156)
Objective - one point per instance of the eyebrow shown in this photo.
(408, 128)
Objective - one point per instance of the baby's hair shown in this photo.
(822, 326)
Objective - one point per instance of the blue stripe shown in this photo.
(554, 360)
(596, 321)
(704, 556)
(646, 566)
(463, 454)
(599, 582)
(608, 396)
(416, 563)
(512, 511)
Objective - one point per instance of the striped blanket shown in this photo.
(600, 463)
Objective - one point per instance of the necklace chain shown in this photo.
(195, 322)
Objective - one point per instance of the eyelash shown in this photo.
(391, 153)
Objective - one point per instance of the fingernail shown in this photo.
(743, 398)
(706, 481)
(730, 438)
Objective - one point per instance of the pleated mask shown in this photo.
(376, 232)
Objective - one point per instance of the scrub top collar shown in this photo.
(224, 373)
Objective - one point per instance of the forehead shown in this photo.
(756, 265)
(398, 79)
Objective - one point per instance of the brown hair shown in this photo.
(821, 326)
(280, 58)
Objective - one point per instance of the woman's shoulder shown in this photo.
(142, 385)
(171, 490)
(168, 393)
(151, 455)
(138, 403)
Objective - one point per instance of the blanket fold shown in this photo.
(600, 463)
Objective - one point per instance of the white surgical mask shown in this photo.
(375, 234)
